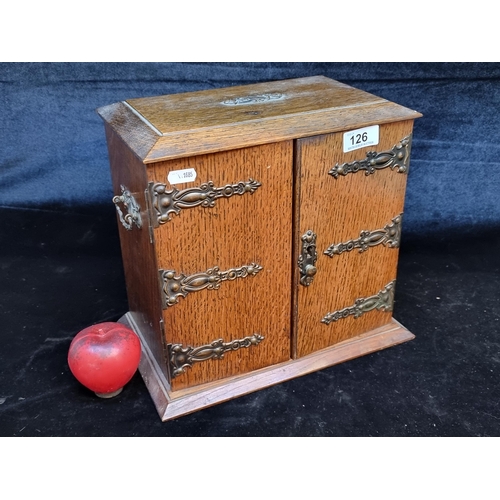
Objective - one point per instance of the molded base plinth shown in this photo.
(171, 404)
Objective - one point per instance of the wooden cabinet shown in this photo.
(259, 228)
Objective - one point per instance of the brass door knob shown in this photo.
(310, 271)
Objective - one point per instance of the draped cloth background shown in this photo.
(53, 151)
(61, 270)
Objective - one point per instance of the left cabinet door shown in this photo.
(222, 234)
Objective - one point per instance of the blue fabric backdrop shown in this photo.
(53, 152)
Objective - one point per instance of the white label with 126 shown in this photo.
(361, 138)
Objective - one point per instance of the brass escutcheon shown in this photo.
(307, 258)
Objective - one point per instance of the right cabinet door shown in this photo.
(349, 208)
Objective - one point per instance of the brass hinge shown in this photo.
(175, 285)
(164, 202)
(397, 158)
(150, 216)
(382, 301)
(181, 357)
(163, 339)
(389, 236)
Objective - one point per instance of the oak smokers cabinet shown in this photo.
(259, 230)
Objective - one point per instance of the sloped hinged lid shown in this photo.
(187, 124)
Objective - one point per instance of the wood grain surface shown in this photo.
(234, 106)
(138, 254)
(337, 210)
(237, 231)
(194, 123)
(172, 404)
(137, 135)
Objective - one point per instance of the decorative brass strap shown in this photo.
(382, 301)
(175, 286)
(389, 236)
(183, 357)
(166, 202)
(307, 258)
(396, 158)
(133, 215)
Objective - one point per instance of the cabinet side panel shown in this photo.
(139, 261)
(338, 210)
(239, 230)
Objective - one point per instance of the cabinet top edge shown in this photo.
(156, 127)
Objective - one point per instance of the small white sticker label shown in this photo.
(361, 138)
(178, 176)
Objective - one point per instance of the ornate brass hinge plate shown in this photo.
(168, 201)
(307, 258)
(389, 236)
(382, 301)
(183, 357)
(133, 215)
(176, 285)
(398, 158)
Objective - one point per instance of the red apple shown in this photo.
(104, 357)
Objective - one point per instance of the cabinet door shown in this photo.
(224, 244)
(351, 204)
